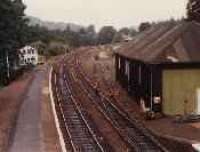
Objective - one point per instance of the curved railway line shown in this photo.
(135, 134)
(79, 137)
(74, 120)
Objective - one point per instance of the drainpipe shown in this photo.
(151, 90)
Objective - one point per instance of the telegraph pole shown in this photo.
(8, 65)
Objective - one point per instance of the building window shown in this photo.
(119, 63)
(22, 62)
(29, 51)
(32, 59)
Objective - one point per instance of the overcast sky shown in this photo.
(119, 13)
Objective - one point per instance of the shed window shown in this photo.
(119, 63)
(140, 75)
(127, 69)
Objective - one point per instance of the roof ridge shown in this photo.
(139, 37)
(164, 41)
(149, 38)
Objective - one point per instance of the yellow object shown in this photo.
(180, 91)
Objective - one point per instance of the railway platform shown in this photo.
(35, 131)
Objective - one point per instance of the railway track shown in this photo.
(78, 135)
(83, 99)
(135, 134)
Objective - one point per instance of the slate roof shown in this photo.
(165, 42)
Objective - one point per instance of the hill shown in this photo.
(53, 25)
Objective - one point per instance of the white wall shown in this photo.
(28, 55)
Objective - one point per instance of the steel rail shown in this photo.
(57, 95)
(90, 140)
(149, 144)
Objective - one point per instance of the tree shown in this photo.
(193, 10)
(91, 29)
(92, 34)
(118, 37)
(133, 32)
(106, 34)
(144, 26)
(12, 23)
(40, 46)
(72, 37)
(124, 34)
(82, 31)
(87, 36)
(124, 30)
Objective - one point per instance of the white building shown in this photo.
(28, 56)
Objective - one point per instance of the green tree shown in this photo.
(193, 10)
(12, 23)
(133, 32)
(118, 37)
(91, 29)
(144, 26)
(87, 36)
(125, 31)
(106, 34)
(91, 34)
